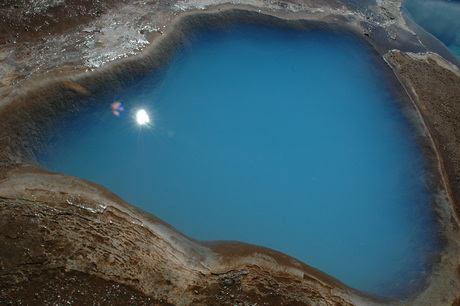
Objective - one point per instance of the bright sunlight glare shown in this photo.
(142, 117)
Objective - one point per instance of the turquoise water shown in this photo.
(439, 17)
(285, 139)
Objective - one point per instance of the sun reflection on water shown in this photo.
(142, 117)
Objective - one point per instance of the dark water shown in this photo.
(439, 17)
(278, 138)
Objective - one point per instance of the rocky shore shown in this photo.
(67, 240)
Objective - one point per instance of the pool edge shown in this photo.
(16, 158)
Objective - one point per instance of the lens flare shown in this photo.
(117, 108)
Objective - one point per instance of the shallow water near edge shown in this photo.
(290, 140)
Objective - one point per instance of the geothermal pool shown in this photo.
(439, 17)
(286, 139)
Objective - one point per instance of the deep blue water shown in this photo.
(285, 139)
(439, 17)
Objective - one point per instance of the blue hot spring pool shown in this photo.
(439, 17)
(287, 139)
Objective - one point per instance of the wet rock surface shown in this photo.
(66, 240)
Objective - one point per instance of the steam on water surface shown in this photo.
(439, 17)
(285, 139)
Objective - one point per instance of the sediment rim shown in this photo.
(32, 117)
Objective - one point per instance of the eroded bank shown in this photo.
(53, 222)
